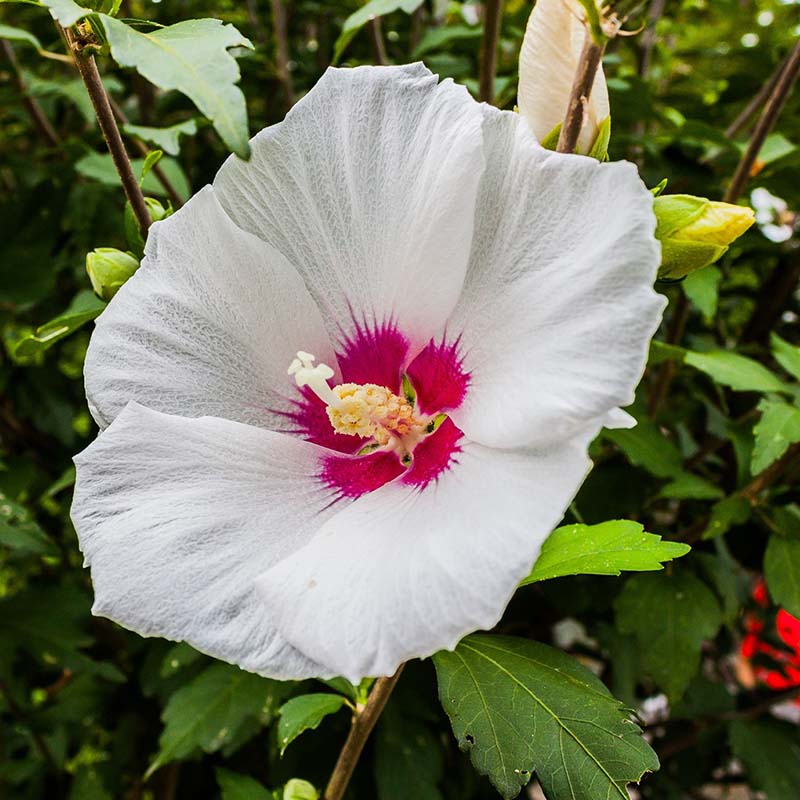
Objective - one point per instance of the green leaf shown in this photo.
(782, 560)
(84, 308)
(235, 786)
(436, 38)
(702, 289)
(519, 706)
(358, 19)
(100, 167)
(193, 58)
(670, 616)
(787, 355)
(305, 713)
(20, 534)
(209, 712)
(19, 35)
(166, 139)
(409, 760)
(778, 428)
(686, 486)
(73, 91)
(645, 446)
(734, 510)
(297, 789)
(66, 12)
(604, 549)
(770, 750)
(739, 372)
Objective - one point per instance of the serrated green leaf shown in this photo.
(770, 750)
(166, 139)
(208, 712)
(739, 372)
(604, 549)
(235, 786)
(778, 428)
(782, 560)
(519, 706)
(671, 615)
(84, 308)
(192, 57)
(19, 35)
(787, 355)
(66, 12)
(305, 713)
(358, 19)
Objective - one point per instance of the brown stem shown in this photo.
(280, 23)
(492, 16)
(144, 151)
(379, 54)
(591, 56)
(87, 67)
(773, 297)
(363, 723)
(756, 102)
(38, 117)
(254, 19)
(766, 122)
(649, 36)
(417, 19)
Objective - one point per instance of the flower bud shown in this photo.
(548, 62)
(695, 232)
(299, 790)
(108, 269)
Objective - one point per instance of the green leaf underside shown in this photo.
(519, 706)
(66, 12)
(208, 712)
(235, 786)
(100, 167)
(670, 616)
(19, 35)
(604, 549)
(166, 139)
(778, 428)
(191, 57)
(358, 19)
(84, 308)
(739, 372)
(770, 751)
(305, 713)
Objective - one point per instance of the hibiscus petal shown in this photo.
(558, 305)
(548, 61)
(176, 517)
(368, 188)
(207, 326)
(404, 573)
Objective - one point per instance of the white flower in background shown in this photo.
(773, 216)
(548, 61)
(468, 309)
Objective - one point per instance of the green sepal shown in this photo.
(550, 142)
(600, 147)
(679, 258)
(676, 211)
(657, 190)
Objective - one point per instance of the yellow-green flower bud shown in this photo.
(695, 232)
(297, 789)
(108, 269)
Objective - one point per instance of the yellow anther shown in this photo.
(372, 412)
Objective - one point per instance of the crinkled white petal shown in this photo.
(548, 61)
(207, 325)
(404, 573)
(177, 517)
(368, 188)
(558, 306)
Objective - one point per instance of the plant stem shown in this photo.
(144, 151)
(87, 67)
(766, 122)
(492, 15)
(363, 722)
(38, 117)
(280, 25)
(649, 36)
(379, 54)
(591, 56)
(756, 102)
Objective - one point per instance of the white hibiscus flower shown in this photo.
(476, 307)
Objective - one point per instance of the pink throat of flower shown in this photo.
(422, 441)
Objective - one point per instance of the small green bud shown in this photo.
(157, 211)
(299, 790)
(695, 232)
(108, 269)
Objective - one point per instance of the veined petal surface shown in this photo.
(368, 188)
(404, 572)
(207, 325)
(558, 305)
(177, 517)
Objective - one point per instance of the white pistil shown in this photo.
(316, 378)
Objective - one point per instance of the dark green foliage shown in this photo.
(89, 711)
